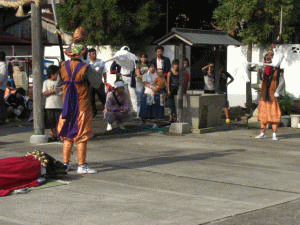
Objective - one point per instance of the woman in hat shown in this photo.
(75, 124)
(117, 107)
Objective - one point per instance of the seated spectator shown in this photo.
(16, 105)
(117, 107)
(10, 88)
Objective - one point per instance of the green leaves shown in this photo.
(262, 18)
(112, 22)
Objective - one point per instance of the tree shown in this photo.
(112, 22)
(256, 22)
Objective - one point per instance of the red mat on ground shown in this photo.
(17, 173)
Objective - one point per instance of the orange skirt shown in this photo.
(85, 126)
(269, 111)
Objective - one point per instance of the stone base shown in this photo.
(38, 139)
(211, 129)
(180, 128)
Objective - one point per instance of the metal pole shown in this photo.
(281, 17)
(62, 55)
(36, 44)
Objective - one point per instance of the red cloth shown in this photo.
(268, 70)
(17, 173)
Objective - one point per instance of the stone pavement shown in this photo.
(148, 177)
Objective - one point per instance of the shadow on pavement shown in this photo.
(2, 144)
(289, 136)
(161, 160)
(15, 127)
(132, 130)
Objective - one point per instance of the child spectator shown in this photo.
(54, 103)
(161, 84)
(209, 78)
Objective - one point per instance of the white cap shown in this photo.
(119, 84)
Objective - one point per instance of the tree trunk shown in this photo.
(248, 84)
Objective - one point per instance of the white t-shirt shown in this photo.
(209, 82)
(53, 101)
(160, 63)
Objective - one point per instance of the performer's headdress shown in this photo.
(78, 46)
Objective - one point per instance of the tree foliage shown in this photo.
(112, 22)
(257, 21)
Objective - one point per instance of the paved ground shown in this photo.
(147, 177)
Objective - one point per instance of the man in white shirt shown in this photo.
(3, 83)
(160, 61)
(99, 66)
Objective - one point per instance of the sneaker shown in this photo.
(260, 136)
(154, 126)
(109, 127)
(227, 121)
(67, 167)
(122, 127)
(85, 170)
(274, 137)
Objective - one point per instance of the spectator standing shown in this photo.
(172, 89)
(160, 61)
(99, 66)
(223, 82)
(186, 75)
(141, 69)
(117, 107)
(209, 78)
(150, 104)
(3, 84)
(53, 103)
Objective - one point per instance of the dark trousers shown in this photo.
(2, 107)
(100, 92)
(171, 101)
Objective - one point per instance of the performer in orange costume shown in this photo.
(269, 111)
(75, 124)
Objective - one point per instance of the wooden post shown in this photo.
(36, 44)
(180, 90)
